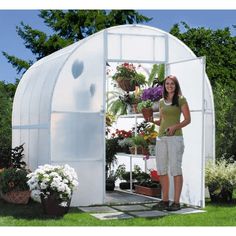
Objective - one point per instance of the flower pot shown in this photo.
(145, 151)
(126, 185)
(132, 150)
(126, 84)
(16, 197)
(147, 113)
(51, 206)
(110, 185)
(153, 192)
(135, 108)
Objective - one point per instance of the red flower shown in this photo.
(154, 176)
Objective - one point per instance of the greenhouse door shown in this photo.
(191, 76)
(78, 123)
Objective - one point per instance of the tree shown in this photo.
(225, 106)
(69, 27)
(5, 125)
(219, 47)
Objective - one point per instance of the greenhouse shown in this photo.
(60, 105)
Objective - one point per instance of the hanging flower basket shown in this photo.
(126, 84)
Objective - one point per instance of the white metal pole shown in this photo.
(203, 135)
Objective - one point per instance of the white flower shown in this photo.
(63, 204)
(50, 179)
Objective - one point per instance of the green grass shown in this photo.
(32, 215)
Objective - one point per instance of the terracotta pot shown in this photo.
(147, 113)
(126, 84)
(51, 206)
(135, 108)
(153, 192)
(16, 197)
(132, 150)
(145, 151)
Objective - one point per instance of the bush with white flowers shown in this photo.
(53, 180)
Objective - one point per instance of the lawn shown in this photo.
(32, 215)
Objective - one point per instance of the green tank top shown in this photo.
(170, 116)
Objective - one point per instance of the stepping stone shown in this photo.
(187, 211)
(112, 216)
(148, 213)
(97, 209)
(131, 208)
(150, 205)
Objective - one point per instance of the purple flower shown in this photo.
(153, 93)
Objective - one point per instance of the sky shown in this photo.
(11, 43)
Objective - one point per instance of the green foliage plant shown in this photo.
(157, 75)
(13, 179)
(145, 104)
(220, 176)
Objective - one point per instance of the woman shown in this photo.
(170, 145)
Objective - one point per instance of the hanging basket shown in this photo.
(16, 197)
(147, 113)
(126, 84)
(51, 206)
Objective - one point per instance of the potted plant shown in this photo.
(125, 144)
(124, 176)
(54, 185)
(127, 77)
(13, 185)
(154, 94)
(13, 180)
(141, 144)
(157, 75)
(111, 150)
(149, 134)
(220, 178)
(146, 108)
(122, 104)
(148, 187)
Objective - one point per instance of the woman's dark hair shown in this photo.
(175, 100)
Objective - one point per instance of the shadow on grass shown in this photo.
(32, 210)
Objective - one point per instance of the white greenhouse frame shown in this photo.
(60, 102)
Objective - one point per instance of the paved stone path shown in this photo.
(122, 205)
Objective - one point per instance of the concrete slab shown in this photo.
(112, 216)
(122, 197)
(186, 211)
(131, 208)
(97, 209)
(150, 205)
(148, 213)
